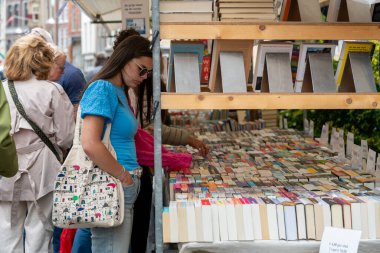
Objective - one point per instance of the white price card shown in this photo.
(311, 129)
(306, 126)
(350, 143)
(332, 139)
(377, 173)
(325, 134)
(364, 144)
(356, 159)
(341, 151)
(338, 240)
(371, 161)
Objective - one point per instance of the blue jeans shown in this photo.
(82, 241)
(117, 239)
(57, 239)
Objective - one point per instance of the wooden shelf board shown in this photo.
(270, 101)
(270, 30)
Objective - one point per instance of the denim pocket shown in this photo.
(130, 185)
(131, 191)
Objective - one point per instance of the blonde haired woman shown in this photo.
(26, 198)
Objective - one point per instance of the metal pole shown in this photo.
(157, 125)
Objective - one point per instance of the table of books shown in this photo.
(267, 190)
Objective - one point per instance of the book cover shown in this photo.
(305, 50)
(247, 219)
(256, 218)
(207, 221)
(186, 17)
(263, 49)
(205, 73)
(182, 222)
(271, 219)
(348, 47)
(166, 225)
(258, 16)
(268, 5)
(223, 221)
(336, 213)
(196, 47)
(191, 222)
(243, 46)
(290, 222)
(185, 6)
(285, 10)
(301, 221)
(173, 217)
(235, 10)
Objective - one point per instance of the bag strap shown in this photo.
(78, 127)
(78, 133)
(36, 129)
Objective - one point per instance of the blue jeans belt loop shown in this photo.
(136, 173)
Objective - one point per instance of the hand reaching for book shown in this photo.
(198, 144)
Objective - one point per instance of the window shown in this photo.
(51, 4)
(26, 14)
(35, 11)
(16, 15)
(9, 16)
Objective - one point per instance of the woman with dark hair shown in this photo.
(105, 101)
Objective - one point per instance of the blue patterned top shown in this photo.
(104, 99)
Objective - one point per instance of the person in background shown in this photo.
(8, 155)
(58, 67)
(101, 59)
(26, 200)
(105, 101)
(73, 82)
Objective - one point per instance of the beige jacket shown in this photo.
(49, 107)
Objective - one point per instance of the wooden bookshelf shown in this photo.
(270, 101)
(270, 31)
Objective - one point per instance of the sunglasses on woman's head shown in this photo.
(144, 70)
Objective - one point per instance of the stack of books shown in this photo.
(186, 11)
(247, 10)
(267, 185)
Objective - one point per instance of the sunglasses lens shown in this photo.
(143, 72)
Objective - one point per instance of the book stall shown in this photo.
(260, 188)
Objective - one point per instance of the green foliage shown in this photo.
(364, 124)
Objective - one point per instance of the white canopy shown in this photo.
(102, 11)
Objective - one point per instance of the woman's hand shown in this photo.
(198, 144)
(126, 178)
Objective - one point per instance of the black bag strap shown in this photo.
(36, 129)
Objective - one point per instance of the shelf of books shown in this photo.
(270, 30)
(269, 101)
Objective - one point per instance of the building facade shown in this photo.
(61, 18)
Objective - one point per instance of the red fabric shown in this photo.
(145, 154)
(67, 239)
